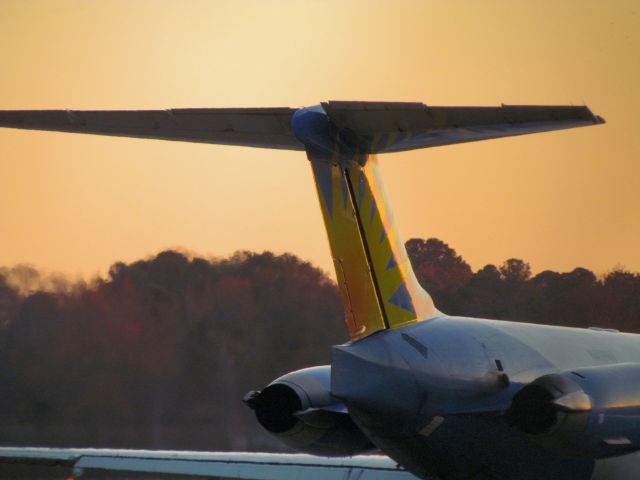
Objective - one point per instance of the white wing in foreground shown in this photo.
(258, 466)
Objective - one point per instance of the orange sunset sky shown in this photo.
(77, 203)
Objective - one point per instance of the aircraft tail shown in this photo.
(378, 287)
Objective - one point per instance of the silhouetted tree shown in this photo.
(439, 269)
(515, 270)
(484, 295)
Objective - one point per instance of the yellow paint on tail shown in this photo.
(378, 287)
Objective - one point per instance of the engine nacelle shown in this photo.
(299, 410)
(593, 411)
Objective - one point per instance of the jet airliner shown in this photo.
(441, 397)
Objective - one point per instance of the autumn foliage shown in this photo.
(160, 353)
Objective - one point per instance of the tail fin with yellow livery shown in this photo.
(378, 287)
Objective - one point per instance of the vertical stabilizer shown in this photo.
(378, 287)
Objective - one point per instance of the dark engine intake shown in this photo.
(593, 411)
(299, 410)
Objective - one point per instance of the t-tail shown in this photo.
(378, 286)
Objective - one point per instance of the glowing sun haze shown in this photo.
(77, 203)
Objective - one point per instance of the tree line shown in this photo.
(160, 352)
(510, 292)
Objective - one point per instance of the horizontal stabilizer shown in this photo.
(382, 127)
(375, 127)
(250, 127)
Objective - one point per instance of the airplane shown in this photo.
(441, 397)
